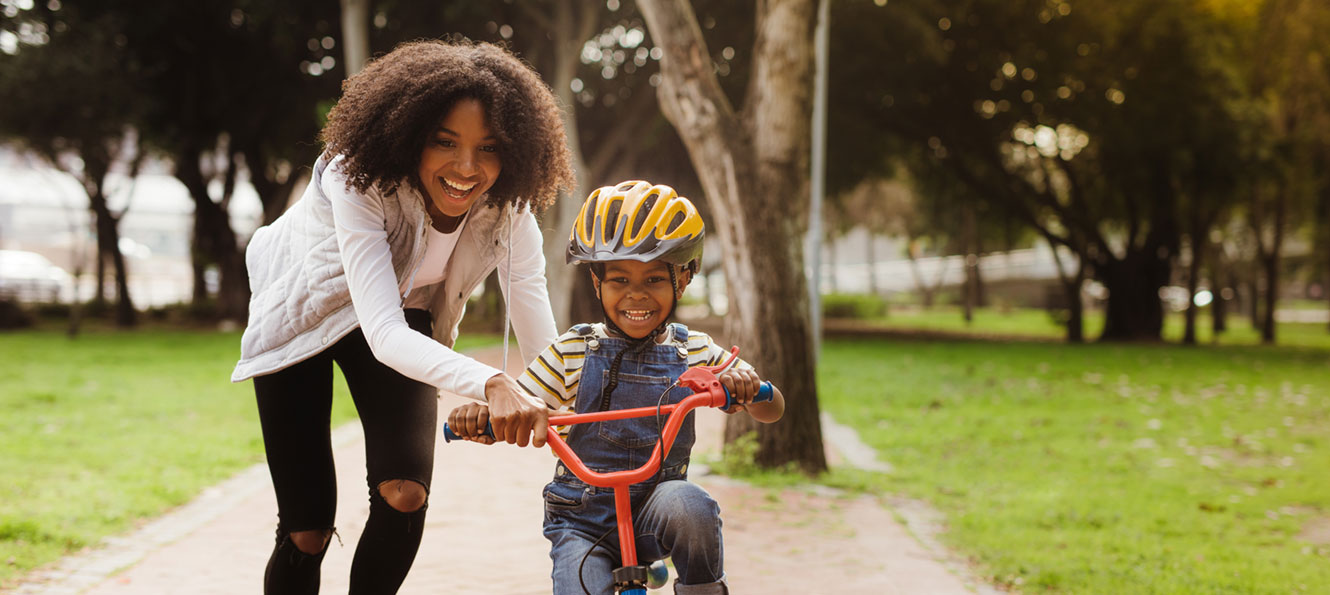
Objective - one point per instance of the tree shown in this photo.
(753, 164)
(235, 89)
(68, 92)
(1086, 123)
(1290, 79)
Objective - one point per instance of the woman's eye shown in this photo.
(444, 142)
(490, 148)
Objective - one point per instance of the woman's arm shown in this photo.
(528, 297)
(366, 258)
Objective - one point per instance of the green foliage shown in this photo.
(738, 459)
(1103, 468)
(111, 428)
(853, 305)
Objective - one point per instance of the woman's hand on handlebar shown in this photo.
(469, 421)
(516, 416)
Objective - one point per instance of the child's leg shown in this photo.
(684, 522)
(567, 549)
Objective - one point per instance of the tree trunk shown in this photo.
(1134, 311)
(754, 169)
(1219, 285)
(1076, 306)
(1193, 282)
(214, 243)
(1254, 301)
(108, 246)
(971, 285)
(1271, 265)
(97, 163)
(1071, 285)
(99, 271)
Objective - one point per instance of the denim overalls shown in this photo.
(577, 513)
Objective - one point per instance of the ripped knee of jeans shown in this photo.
(404, 495)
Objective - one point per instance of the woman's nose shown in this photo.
(468, 163)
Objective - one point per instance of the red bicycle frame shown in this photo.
(707, 392)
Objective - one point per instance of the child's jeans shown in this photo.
(678, 520)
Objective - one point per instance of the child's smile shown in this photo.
(637, 296)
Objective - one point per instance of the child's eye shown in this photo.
(656, 280)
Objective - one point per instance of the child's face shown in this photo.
(637, 296)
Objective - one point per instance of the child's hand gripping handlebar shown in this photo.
(764, 393)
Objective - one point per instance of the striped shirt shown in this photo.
(555, 373)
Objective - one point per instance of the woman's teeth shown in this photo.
(637, 315)
(457, 189)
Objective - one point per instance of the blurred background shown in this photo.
(1119, 160)
(963, 184)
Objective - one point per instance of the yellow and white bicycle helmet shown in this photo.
(637, 220)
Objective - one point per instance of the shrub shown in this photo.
(845, 305)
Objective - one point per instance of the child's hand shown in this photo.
(743, 385)
(469, 421)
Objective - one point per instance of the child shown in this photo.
(643, 244)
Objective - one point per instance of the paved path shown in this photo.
(482, 533)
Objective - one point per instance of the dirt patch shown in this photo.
(1316, 531)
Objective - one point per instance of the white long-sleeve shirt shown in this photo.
(293, 291)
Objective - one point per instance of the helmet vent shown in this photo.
(675, 222)
(640, 218)
(611, 221)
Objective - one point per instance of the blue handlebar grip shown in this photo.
(764, 393)
(449, 435)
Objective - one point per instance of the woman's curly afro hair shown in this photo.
(390, 109)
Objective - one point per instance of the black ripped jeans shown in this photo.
(399, 417)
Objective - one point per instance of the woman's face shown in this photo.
(461, 159)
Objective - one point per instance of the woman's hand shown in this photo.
(468, 421)
(516, 416)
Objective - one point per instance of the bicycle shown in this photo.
(632, 578)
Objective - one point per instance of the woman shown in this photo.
(435, 156)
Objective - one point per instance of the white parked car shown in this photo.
(30, 277)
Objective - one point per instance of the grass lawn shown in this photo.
(1035, 323)
(109, 429)
(1104, 468)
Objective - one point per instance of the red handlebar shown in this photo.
(707, 392)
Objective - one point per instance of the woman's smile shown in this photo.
(461, 160)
